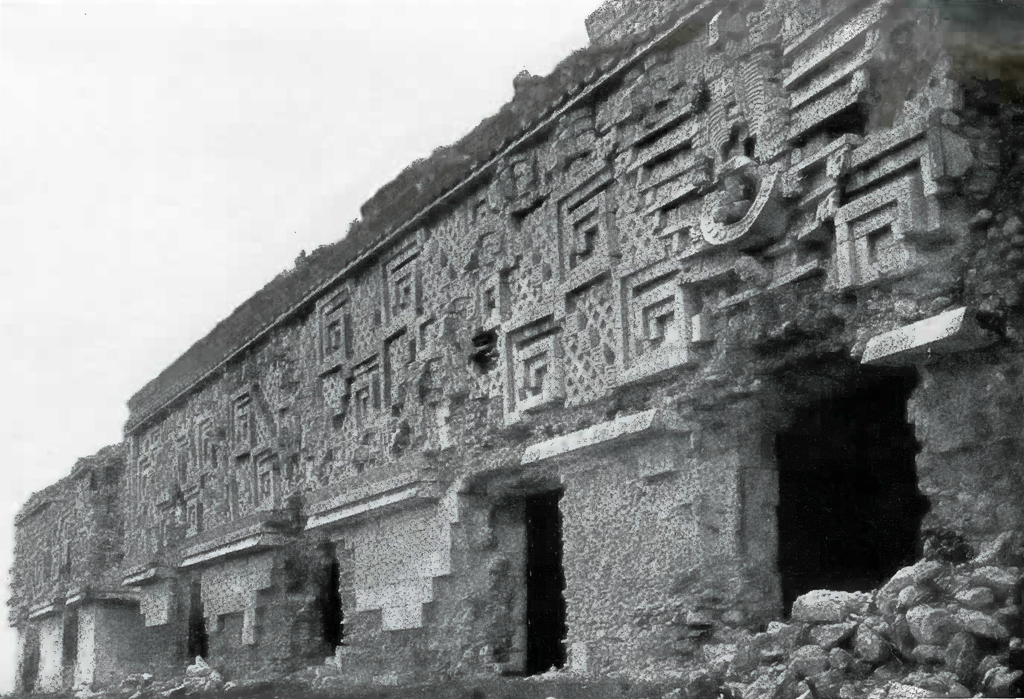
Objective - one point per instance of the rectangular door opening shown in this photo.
(545, 584)
(849, 507)
(70, 646)
(329, 600)
(198, 641)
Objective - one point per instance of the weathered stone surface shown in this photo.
(952, 331)
(841, 660)
(981, 625)
(911, 596)
(1002, 581)
(963, 656)
(691, 240)
(980, 598)
(926, 654)
(1003, 682)
(808, 660)
(768, 686)
(870, 646)
(898, 690)
(827, 606)
(931, 625)
(830, 635)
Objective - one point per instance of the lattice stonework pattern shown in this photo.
(535, 270)
(591, 341)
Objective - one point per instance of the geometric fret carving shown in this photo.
(533, 368)
(827, 72)
(660, 319)
(872, 232)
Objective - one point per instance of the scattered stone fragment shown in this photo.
(869, 646)
(929, 654)
(931, 625)
(1000, 681)
(898, 690)
(981, 624)
(841, 660)
(1002, 581)
(962, 656)
(980, 598)
(808, 660)
(829, 606)
(911, 596)
(831, 635)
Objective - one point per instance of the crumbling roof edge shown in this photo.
(82, 465)
(695, 13)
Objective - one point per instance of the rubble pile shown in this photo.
(935, 629)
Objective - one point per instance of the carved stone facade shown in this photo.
(743, 212)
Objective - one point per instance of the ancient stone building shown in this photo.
(724, 310)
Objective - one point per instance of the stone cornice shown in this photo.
(639, 425)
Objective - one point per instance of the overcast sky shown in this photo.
(159, 163)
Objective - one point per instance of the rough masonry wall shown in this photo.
(698, 223)
(69, 536)
(698, 227)
(968, 416)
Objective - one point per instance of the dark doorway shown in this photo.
(198, 641)
(545, 584)
(30, 662)
(849, 507)
(70, 646)
(329, 599)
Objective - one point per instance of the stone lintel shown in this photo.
(645, 424)
(250, 544)
(953, 331)
(346, 507)
(78, 597)
(147, 576)
(45, 609)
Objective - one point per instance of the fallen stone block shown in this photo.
(808, 660)
(870, 647)
(938, 682)
(928, 654)
(898, 690)
(1009, 616)
(200, 668)
(786, 635)
(962, 656)
(923, 573)
(958, 691)
(930, 625)
(911, 596)
(1007, 549)
(953, 331)
(767, 686)
(827, 606)
(719, 656)
(841, 660)
(980, 598)
(981, 624)
(1001, 681)
(1002, 581)
(829, 636)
